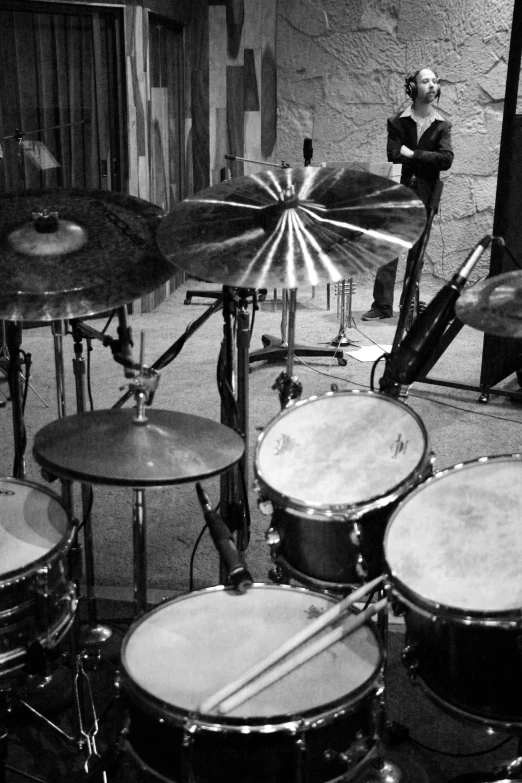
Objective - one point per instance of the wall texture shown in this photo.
(341, 68)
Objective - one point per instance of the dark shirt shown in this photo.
(432, 153)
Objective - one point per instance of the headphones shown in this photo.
(410, 84)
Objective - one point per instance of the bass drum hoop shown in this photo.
(53, 554)
(321, 716)
(434, 610)
(343, 512)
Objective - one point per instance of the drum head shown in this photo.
(183, 652)
(32, 522)
(457, 539)
(339, 450)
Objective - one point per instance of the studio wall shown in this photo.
(341, 67)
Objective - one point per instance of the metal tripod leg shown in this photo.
(95, 632)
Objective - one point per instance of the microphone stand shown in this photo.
(416, 255)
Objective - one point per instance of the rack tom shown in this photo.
(453, 549)
(333, 468)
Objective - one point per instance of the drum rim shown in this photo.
(62, 546)
(177, 715)
(342, 512)
(505, 618)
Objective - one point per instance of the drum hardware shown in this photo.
(344, 291)
(233, 386)
(281, 165)
(38, 601)
(19, 137)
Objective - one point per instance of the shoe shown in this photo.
(374, 315)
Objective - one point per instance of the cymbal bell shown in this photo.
(292, 227)
(494, 305)
(72, 253)
(109, 447)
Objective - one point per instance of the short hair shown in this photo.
(410, 82)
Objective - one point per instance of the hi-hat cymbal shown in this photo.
(72, 253)
(108, 447)
(494, 305)
(292, 227)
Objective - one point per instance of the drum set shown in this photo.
(359, 520)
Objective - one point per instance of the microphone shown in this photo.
(239, 575)
(427, 329)
(308, 151)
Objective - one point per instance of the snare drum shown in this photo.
(37, 597)
(334, 467)
(454, 552)
(182, 652)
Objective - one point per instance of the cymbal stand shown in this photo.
(345, 290)
(14, 343)
(95, 632)
(143, 387)
(277, 349)
(287, 384)
(233, 383)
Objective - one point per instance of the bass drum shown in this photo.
(37, 597)
(453, 550)
(298, 729)
(333, 468)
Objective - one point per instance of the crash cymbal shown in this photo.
(494, 305)
(72, 253)
(108, 447)
(292, 227)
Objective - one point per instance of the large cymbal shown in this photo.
(494, 305)
(99, 253)
(292, 227)
(108, 447)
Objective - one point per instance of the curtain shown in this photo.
(61, 104)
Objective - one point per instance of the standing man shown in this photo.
(420, 139)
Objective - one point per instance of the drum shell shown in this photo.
(218, 756)
(175, 744)
(474, 666)
(38, 601)
(328, 550)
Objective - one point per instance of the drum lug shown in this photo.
(265, 506)
(361, 568)
(410, 660)
(42, 598)
(357, 751)
(273, 540)
(278, 575)
(355, 535)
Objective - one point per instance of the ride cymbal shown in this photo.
(494, 306)
(72, 253)
(109, 447)
(292, 227)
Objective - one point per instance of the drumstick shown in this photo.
(291, 644)
(298, 657)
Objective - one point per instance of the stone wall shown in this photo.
(341, 68)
